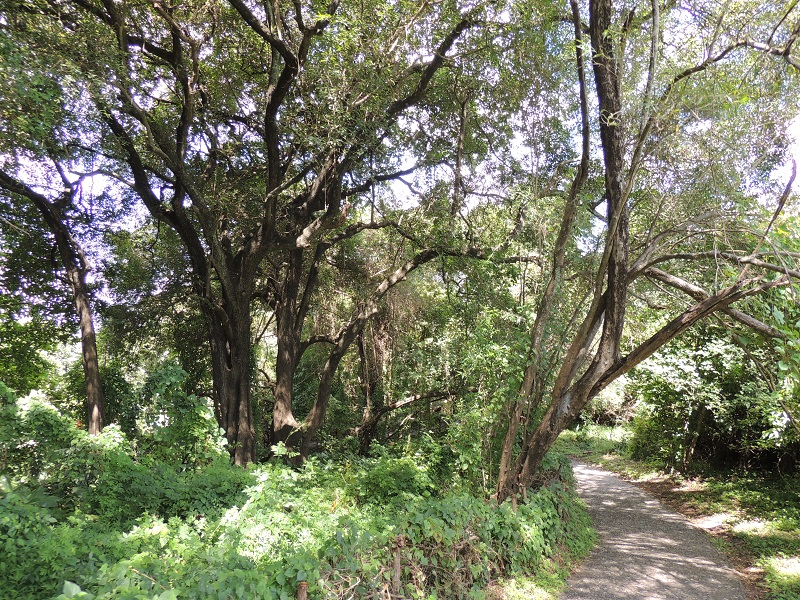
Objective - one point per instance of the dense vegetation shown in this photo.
(292, 291)
(164, 515)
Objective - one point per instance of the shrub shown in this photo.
(391, 479)
(35, 551)
(179, 427)
(292, 526)
(701, 398)
(32, 434)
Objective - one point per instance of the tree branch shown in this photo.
(681, 323)
(699, 294)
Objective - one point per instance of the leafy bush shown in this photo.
(25, 520)
(287, 526)
(164, 515)
(178, 427)
(453, 546)
(701, 398)
(390, 479)
(32, 434)
(100, 476)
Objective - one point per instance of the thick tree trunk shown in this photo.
(230, 359)
(289, 351)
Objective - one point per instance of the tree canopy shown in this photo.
(334, 213)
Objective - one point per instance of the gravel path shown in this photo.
(646, 551)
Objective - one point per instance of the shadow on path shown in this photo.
(646, 551)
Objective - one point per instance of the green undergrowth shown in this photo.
(96, 517)
(761, 509)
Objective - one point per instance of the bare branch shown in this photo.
(370, 183)
(698, 294)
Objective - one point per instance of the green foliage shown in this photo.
(593, 441)
(702, 398)
(31, 85)
(23, 366)
(33, 433)
(26, 521)
(178, 427)
(103, 475)
(614, 405)
(105, 521)
(393, 480)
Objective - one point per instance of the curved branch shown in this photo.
(261, 29)
(728, 256)
(430, 69)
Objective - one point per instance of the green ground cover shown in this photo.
(109, 517)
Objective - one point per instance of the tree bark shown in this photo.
(289, 350)
(95, 398)
(365, 432)
(230, 363)
(566, 407)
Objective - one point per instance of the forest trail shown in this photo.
(646, 551)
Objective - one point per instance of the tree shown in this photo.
(248, 129)
(34, 111)
(711, 395)
(645, 91)
(76, 267)
(151, 309)
(261, 135)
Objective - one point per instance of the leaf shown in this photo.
(70, 589)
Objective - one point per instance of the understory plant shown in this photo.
(98, 518)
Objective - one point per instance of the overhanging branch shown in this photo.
(699, 294)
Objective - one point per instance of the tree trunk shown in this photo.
(288, 334)
(230, 361)
(347, 335)
(370, 374)
(75, 264)
(316, 416)
(692, 435)
(95, 399)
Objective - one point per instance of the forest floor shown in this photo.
(646, 550)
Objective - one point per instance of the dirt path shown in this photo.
(646, 551)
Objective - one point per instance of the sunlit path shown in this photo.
(646, 552)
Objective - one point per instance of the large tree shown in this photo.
(249, 128)
(690, 103)
(260, 132)
(42, 204)
(74, 265)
